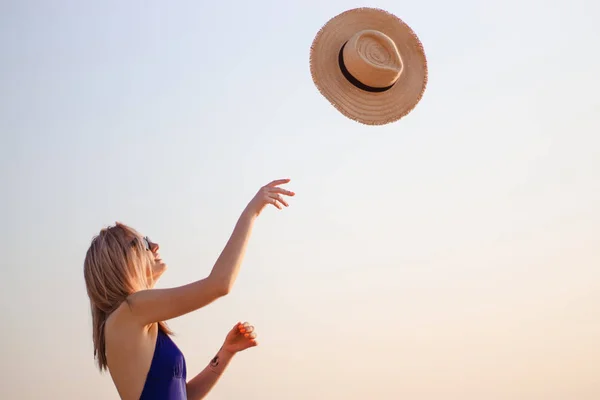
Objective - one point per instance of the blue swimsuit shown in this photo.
(166, 379)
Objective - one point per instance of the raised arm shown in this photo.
(154, 305)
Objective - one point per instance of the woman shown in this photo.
(130, 336)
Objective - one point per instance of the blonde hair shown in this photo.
(116, 265)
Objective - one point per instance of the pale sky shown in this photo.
(452, 255)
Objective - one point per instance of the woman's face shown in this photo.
(159, 266)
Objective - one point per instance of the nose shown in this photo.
(154, 247)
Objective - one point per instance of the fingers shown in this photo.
(282, 191)
(275, 193)
(274, 202)
(279, 182)
(247, 330)
(279, 199)
(272, 194)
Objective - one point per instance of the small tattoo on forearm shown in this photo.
(214, 362)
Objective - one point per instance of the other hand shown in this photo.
(271, 193)
(240, 338)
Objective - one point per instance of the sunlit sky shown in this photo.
(454, 254)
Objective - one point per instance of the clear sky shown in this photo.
(454, 254)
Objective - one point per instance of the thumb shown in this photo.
(235, 330)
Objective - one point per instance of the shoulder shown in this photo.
(122, 321)
(124, 335)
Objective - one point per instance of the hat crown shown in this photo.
(372, 58)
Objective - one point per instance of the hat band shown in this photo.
(355, 81)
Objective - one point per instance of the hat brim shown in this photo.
(362, 106)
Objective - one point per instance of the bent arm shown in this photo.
(154, 305)
(202, 384)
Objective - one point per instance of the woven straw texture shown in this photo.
(359, 105)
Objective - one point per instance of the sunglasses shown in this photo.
(146, 241)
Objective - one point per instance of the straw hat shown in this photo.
(369, 65)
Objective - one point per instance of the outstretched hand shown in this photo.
(271, 193)
(240, 338)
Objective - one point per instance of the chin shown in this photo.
(159, 270)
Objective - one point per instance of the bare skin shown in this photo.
(131, 330)
(239, 338)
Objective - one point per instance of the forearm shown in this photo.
(202, 384)
(227, 267)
